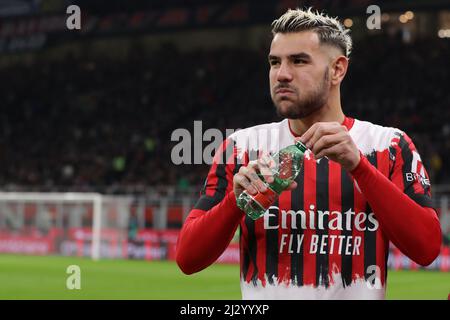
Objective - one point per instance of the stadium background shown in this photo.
(92, 111)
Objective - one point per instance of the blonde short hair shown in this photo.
(329, 30)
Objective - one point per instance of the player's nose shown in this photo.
(284, 73)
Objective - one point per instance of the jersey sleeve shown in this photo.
(412, 227)
(219, 180)
(211, 224)
(409, 173)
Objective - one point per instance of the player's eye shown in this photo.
(299, 61)
(274, 62)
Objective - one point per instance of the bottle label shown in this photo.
(265, 199)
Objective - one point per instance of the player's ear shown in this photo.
(339, 69)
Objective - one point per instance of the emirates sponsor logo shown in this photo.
(361, 220)
(315, 220)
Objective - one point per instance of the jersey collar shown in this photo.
(348, 123)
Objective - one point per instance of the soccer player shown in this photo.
(362, 185)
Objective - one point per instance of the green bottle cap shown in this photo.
(301, 146)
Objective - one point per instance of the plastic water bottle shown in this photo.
(289, 162)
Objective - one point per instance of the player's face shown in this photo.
(299, 80)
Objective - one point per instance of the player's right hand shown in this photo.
(247, 178)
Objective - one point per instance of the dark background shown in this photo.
(94, 109)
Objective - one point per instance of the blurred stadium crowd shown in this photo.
(95, 121)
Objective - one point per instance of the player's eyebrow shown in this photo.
(300, 55)
(272, 58)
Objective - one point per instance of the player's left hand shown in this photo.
(332, 140)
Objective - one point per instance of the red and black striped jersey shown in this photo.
(322, 239)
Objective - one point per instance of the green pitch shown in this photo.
(27, 277)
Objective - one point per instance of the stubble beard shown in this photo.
(301, 108)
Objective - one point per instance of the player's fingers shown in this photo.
(252, 176)
(245, 183)
(268, 161)
(292, 186)
(308, 134)
(265, 164)
(332, 152)
(323, 129)
(327, 141)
